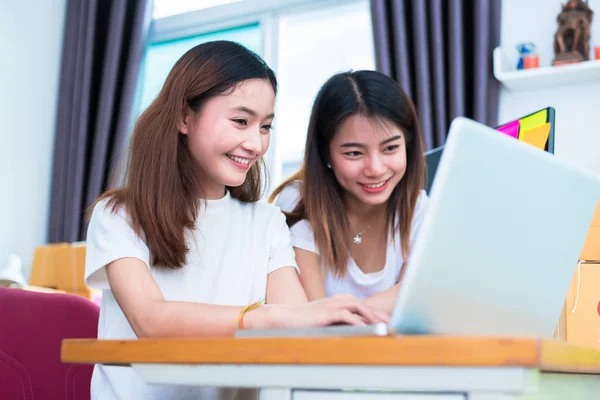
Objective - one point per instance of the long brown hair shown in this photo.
(162, 182)
(375, 96)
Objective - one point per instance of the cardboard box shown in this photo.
(45, 265)
(560, 333)
(591, 247)
(60, 266)
(582, 307)
(579, 320)
(596, 218)
(71, 269)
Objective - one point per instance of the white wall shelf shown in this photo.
(543, 77)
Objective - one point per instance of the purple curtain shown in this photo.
(102, 50)
(440, 51)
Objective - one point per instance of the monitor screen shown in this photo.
(536, 129)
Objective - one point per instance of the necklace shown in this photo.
(358, 238)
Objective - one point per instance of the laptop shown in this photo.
(488, 260)
(518, 128)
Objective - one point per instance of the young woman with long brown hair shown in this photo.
(356, 205)
(184, 248)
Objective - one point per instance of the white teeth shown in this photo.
(378, 185)
(238, 159)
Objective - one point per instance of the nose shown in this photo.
(253, 143)
(374, 166)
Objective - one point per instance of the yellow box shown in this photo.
(71, 269)
(60, 266)
(582, 307)
(591, 247)
(596, 218)
(560, 333)
(46, 260)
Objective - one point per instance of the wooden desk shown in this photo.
(407, 368)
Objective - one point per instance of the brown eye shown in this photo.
(241, 122)
(353, 153)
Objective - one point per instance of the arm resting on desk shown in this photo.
(151, 316)
(312, 281)
(384, 301)
(310, 274)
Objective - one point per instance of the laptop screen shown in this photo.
(536, 129)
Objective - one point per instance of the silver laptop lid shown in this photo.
(499, 244)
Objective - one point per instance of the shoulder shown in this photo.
(110, 236)
(260, 213)
(108, 213)
(302, 236)
(302, 230)
(109, 219)
(269, 211)
(289, 197)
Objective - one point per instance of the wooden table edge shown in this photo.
(545, 355)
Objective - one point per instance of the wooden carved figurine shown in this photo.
(571, 41)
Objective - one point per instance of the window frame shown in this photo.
(227, 16)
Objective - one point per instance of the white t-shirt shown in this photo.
(355, 282)
(232, 250)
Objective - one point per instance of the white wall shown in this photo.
(30, 55)
(577, 137)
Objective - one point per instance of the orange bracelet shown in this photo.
(240, 318)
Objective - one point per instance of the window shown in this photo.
(160, 57)
(314, 45)
(304, 41)
(168, 8)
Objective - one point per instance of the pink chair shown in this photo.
(32, 327)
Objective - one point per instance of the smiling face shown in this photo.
(368, 158)
(229, 134)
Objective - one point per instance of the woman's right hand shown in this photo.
(339, 309)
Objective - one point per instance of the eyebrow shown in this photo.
(386, 141)
(251, 112)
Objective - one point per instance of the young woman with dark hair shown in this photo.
(356, 205)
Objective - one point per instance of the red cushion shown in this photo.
(32, 327)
